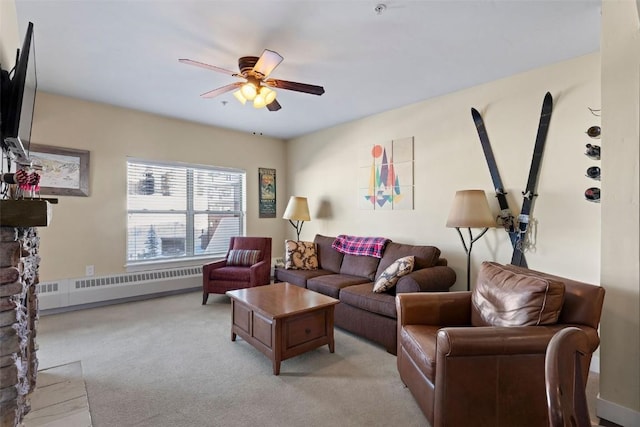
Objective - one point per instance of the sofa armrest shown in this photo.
(432, 279)
(434, 308)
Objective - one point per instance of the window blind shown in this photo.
(181, 211)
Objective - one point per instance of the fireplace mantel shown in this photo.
(25, 212)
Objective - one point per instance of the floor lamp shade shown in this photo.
(470, 209)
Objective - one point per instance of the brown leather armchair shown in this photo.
(221, 276)
(566, 397)
(463, 375)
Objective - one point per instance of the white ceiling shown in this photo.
(125, 52)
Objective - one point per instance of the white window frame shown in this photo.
(190, 259)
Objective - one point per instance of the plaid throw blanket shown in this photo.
(368, 246)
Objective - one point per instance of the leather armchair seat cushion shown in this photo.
(363, 297)
(506, 298)
(419, 342)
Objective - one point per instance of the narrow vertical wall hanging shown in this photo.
(267, 189)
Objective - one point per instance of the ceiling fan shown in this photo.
(257, 85)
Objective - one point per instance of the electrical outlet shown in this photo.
(279, 262)
(89, 270)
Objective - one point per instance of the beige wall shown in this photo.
(9, 40)
(448, 157)
(619, 399)
(92, 230)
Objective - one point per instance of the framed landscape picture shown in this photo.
(65, 171)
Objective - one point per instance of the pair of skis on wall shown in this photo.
(517, 231)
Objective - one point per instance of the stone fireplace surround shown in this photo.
(19, 263)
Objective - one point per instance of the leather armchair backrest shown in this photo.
(582, 301)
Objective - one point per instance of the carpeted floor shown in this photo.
(170, 362)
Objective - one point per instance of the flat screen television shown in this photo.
(18, 101)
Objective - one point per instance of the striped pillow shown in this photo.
(244, 257)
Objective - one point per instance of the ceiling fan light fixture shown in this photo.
(259, 102)
(268, 94)
(249, 91)
(239, 97)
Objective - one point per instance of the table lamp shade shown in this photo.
(297, 209)
(470, 209)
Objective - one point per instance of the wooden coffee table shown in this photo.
(282, 320)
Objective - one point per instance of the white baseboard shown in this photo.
(618, 414)
(595, 364)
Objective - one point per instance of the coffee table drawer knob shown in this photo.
(307, 331)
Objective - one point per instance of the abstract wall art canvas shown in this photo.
(385, 175)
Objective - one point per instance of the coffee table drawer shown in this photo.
(308, 327)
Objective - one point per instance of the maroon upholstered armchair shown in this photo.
(247, 264)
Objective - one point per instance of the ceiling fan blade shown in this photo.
(221, 90)
(298, 87)
(209, 67)
(267, 62)
(274, 106)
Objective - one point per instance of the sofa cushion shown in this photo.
(328, 258)
(425, 256)
(332, 284)
(363, 297)
(243, 257)
(300, 255)
(503, 297)
(359, 265)
(419, 342)
(389, 277)
(298, 277)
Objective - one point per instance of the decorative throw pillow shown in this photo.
(503, 297)
(243, 257)
(300, 255)
(391, 274)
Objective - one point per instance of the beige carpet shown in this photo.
(170, 362)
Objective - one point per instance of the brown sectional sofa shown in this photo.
(350, 278)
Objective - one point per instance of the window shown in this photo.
(175, 211)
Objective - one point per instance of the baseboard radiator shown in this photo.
(70, 294)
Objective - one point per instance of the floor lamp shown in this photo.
(297, 210)
(470, 209)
